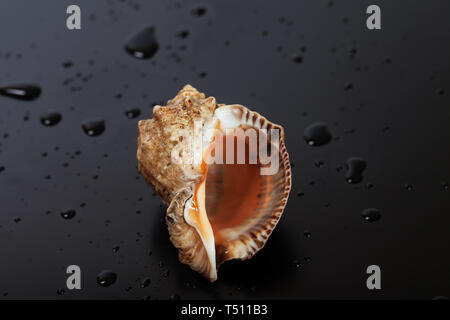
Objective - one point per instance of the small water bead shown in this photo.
(21, 91)
(68, 213)
(295, 263)
(116, 248)
(143, 44)
(93, 127)
(297, 59)
(371, 214)
(67, 64)
(355, 167)
(106, 278)
(444, 184)
(348, 87)
(440, 91)
(198, 12)
(319, 164)
(49, 119)
(408, 186)
(183, 34)
(132, 113)
(317, 134)
(145, 283)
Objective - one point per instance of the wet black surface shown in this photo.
(383, 94)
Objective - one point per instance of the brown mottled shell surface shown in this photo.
(204, 246)
(159, 135)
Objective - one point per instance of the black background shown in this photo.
(396, 117)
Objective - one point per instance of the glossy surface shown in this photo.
(393, 116)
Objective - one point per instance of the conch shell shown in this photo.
(216, 211)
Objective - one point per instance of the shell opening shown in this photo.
(233, 204)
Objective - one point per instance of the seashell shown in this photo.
(222, 204)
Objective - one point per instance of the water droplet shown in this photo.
(319, 164)
(115, 248)
(440, 91)
(444, 184)
(93, 127)
(371, 214)
(317, 134)
(348, 87)
(183, 34)
(67, 64)
(132, 113)
(198, 12)
(295, 263)
(355, 167)
(408, 186)
(145, 282)
(68, 213)
(307, 234)
(106, 278)
(21, 91)
(143, 44)
(297, 59)
(49, 119)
